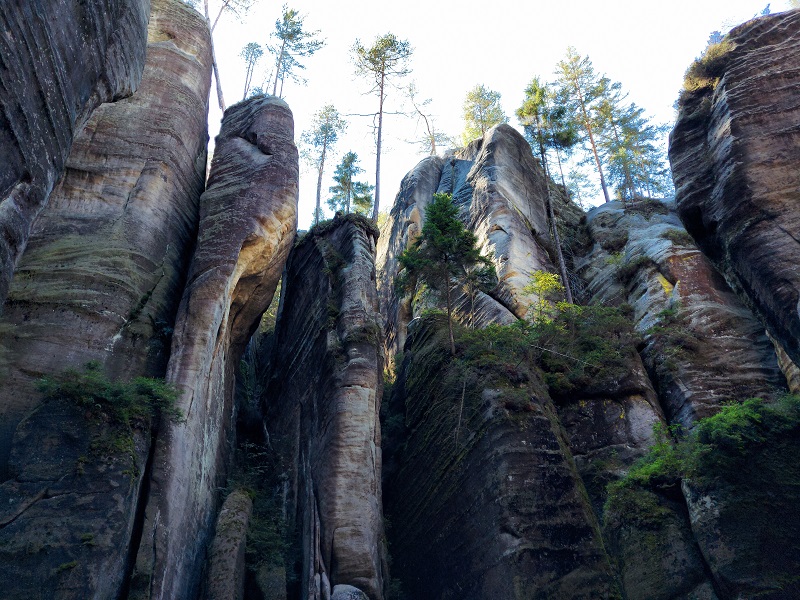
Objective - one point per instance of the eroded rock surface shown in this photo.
(100, 280)
(323, 405)
(59, 60)
(703, 346)
(226, 557)
(248, 218)
(735, 152)
(500, 190)
(485, 500)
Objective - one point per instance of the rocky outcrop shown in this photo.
(59, 60)
(323, 404)
(226, 557)
(100, 280)
(500, 190)
(703, 347)
(734, 156)
(248, 218)
(485, 500)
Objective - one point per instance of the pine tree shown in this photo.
(445, 255)
(482, 110)
(386, 59)
(237, 8)
(580, 88)
(251, 54)
(534, 114)
(348, 192)
(326, 127)
(294, 43)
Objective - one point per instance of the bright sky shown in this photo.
(502, 44)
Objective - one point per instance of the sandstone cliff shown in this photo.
(734, 153)
(60, 61)
(322, 409)
(100, 280)
(248, 218)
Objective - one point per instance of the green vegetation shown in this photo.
(647, 207)
(121, 403)
(347, 191)
(444, 255)
(731, 447)
(679, 237)
(628, 269)
(705, 72)
(66, 566)
(293, 42)
(382, 62)
(326, 127)
(547, 289)
(482, 110)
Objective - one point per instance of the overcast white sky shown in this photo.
(502, 44)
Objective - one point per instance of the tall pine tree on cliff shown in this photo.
(444, 256)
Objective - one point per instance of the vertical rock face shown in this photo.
(107, 259)
(100, 280)
(500, 190)
(702, 345)
(248, 218)
(323, 406)
(485, 501)
(59, 59)
(735, 152)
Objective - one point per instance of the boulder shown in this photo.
(60, 60)
(248, 219)
(226, 557)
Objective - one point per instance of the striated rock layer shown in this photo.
(703, 346)
(735, 152)
(323, 404)
(248, 218)
(100, 280)
(59, 60)
(485, 500)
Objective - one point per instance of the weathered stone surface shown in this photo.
(485, 500)
(67, 515)
(323, 405)
(712, 350)
(656, 553)
(226, 558)
(348, 592)
(735, 152)
(500, 190)
(100, 280)
(59, 59)
(248, 218)
(103, 271)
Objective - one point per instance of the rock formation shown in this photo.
(60, 60)
(248, 218)
(323, 404)
(500, 190)
(485, 500)
(734, 153)
(226, 557)
(100, 280)
(703, 347)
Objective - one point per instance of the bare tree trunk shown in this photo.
(450, 319)
(588, 126)
(214, 66)
(319, 179)
(378, 159)
(278, 69)
(562, 265)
